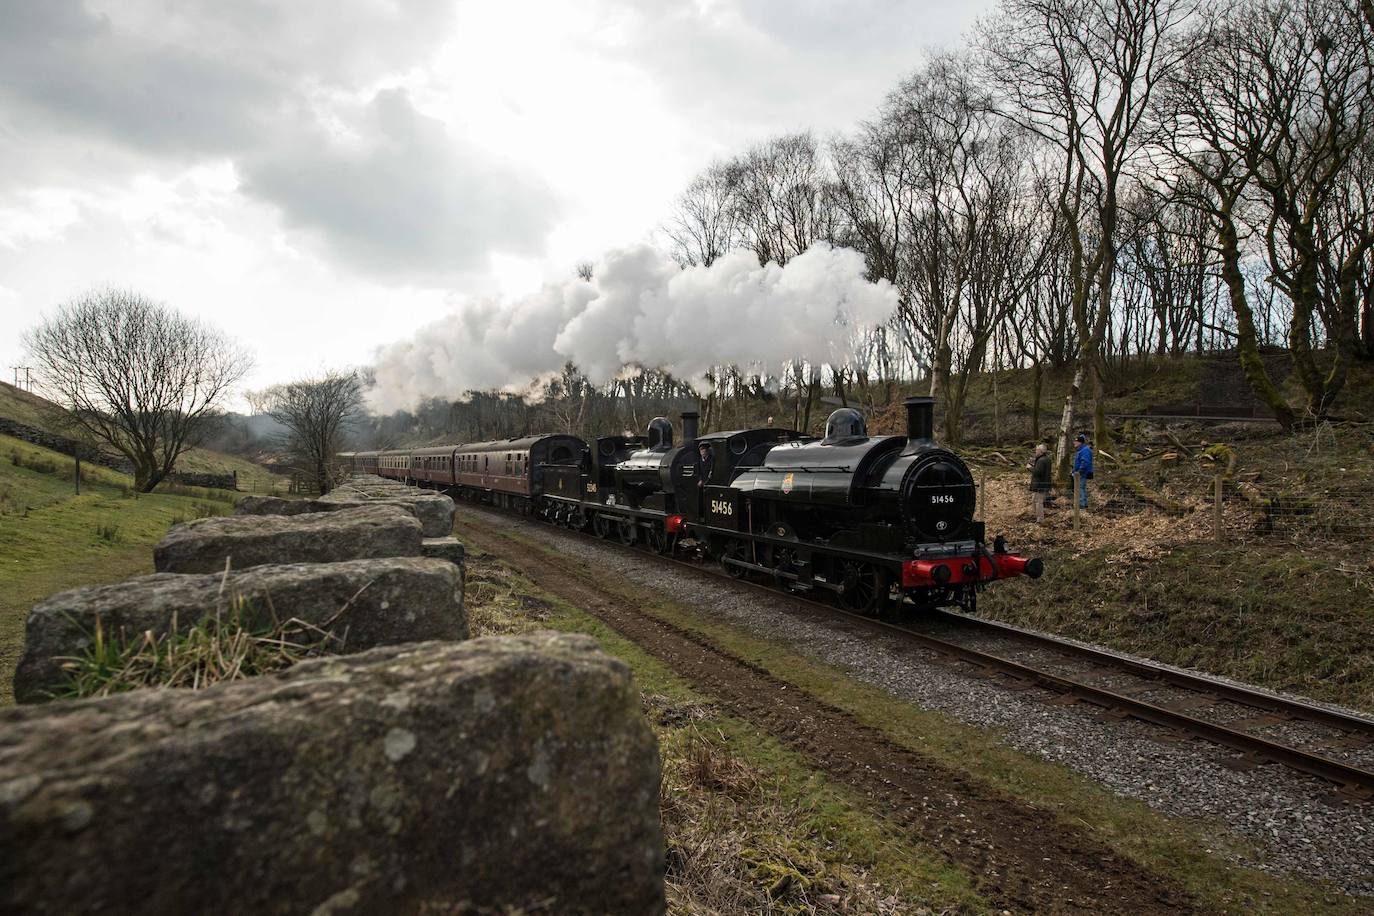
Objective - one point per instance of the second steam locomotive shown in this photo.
(870, 519)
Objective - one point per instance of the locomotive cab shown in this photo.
(641, 475)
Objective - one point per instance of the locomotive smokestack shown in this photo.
(689, 425)
(920, 419)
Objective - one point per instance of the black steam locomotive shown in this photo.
(869, 519)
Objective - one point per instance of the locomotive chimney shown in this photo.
(920, 419)
(689, 425)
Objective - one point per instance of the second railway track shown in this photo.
(1338, 748)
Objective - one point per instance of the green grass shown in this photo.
(51, 539)
(22, 407)
(1268, 615)
(748, 822)
(252, 478)
(34, 411)
(1190, 852)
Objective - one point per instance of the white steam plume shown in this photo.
(640, 307)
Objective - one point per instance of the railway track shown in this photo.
(1186, 703)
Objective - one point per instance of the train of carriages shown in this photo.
(869, 519)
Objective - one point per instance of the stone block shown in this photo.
(355, 533)
(434, 777)
(371, 603)
(434, 510)
(450, 549)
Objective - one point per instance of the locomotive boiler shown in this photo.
(865, 516)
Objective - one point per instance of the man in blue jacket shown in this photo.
(1083, 469)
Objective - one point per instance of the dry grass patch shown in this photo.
(226, 646)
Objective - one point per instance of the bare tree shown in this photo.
(1080, 75)
(783, 198)
(703, 226)
(135, 375)
(315, 412)
(1271, 116)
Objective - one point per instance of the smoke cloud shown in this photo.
(640, 307)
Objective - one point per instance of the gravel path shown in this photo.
(1291, 817)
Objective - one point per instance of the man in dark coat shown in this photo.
(705, 462)
(1041, 481)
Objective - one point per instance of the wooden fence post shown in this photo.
(1073, 498)
(1216, 511)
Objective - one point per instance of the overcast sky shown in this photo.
(318, 177)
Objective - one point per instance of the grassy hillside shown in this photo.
(31, 410)
(22, 407)
(52, 539)
(253, 478)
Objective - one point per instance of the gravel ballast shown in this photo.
(1293, 819)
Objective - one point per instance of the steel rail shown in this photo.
(1356, 781)
(1235, 693)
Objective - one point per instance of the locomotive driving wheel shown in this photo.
(865, 588)
(657, 540)
(734, 550)
(783, 560)
(628, 532)
(600, 526)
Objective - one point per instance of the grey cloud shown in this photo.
(206, 76)
(754, 67)
(86, 91)
(409, 199)
(72, 71)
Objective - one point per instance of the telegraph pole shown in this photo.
(27, 384)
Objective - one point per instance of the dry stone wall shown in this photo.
(428, 774)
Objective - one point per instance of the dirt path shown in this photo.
(1022, 858)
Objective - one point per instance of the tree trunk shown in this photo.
(1102, 436)
(1061, 450)
(1367, 326)
(1246, 344)
(1306, 297)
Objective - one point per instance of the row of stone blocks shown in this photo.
(426, 772)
